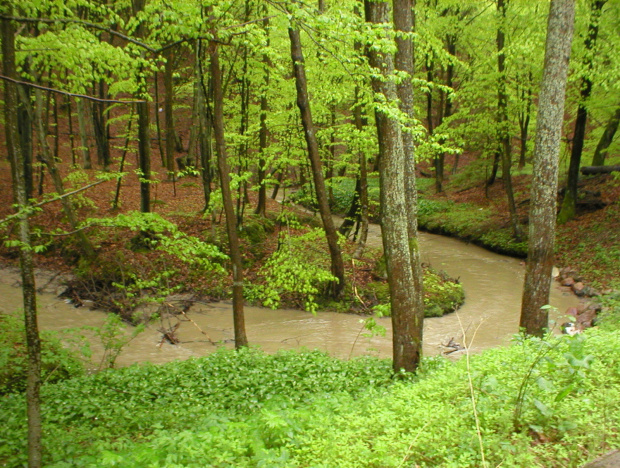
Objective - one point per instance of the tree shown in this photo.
(606, 138)
(241, 339)
(303, 103)
(534, 317)
(33, 341)
(569, 204)
(406, 314)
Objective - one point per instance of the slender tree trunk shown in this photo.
(315, 161)
(231, 225)
(504, 133)
(33, 343)
(203, 94)
(144, 132)
(100, 127)
(67, 206)
(569, 204)
(534, 318)
(24, 119)
(263, 133)
(160, 139)
(524, 118)
(395, 222)
(169, 112)
(71, 133)
(81, 112)
(363, 178)
(606, 138)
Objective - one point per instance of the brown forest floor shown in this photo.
(589, 243)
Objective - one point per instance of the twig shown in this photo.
(471, 386)
(199, 329)
(67, 93)
(407, 453)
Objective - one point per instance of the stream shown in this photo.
(490, 316)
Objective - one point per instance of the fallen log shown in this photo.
(589, 170)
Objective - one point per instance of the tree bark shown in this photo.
(600, 154)
(224, 171)
(590, 170)
(33, 342)
(534, 318)
(569, 204)
(395, 227)
(303, 102)
(100, 127)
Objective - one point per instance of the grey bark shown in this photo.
(534, 319)
(82, 127)
(395, 228)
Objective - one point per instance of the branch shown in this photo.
(66, 93)
(20, 19)
(56, 198)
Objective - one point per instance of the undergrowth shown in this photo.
(292, 409)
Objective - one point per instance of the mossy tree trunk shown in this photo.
(407, 318)
(534, 319)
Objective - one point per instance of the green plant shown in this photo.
(295, 272)
(57, 362)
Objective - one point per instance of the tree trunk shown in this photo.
(403, 21)
(569, 204)
(67, 206)
(360, 123)
(33, 343)
(590, 170)
(534, 318)
(169, 112)
(504, 132)
(395, 227)
(524, 118)
(263, 133)
(606, 138)
(315, 161)
(81, 112)
(24, 119)
(231, 225)
(100, 127)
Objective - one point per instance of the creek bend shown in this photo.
(490, 316)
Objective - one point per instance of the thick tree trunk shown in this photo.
(33, 343)
(606, 138)
(395, 228)
(231, 225)
(569, 204)
(403, 22)
(315, 161)
(534, 318)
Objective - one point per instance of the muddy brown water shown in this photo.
(489, 317)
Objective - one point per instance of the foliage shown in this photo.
(57, 362)
(296, 272)
(306, 409)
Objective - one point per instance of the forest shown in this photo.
(168, 161)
